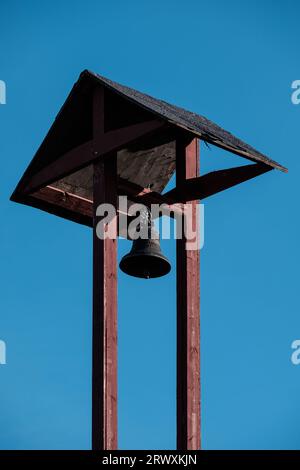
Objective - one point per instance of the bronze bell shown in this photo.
(145, 258)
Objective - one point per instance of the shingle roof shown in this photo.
(149, 162)
(195, 123)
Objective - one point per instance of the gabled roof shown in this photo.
(199, 125)
(73, 127)
(146, 157)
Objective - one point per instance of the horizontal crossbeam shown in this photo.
(214, 182)
(79, 209)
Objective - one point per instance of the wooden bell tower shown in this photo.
(110, 140)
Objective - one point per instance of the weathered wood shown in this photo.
(150, 163)
(54, 203)
(188, 314)
(68, 206)
(86, 153)
(67, 200)
(104, 380)
(79, 209)
(67, 163)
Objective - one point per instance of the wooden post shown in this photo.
(104, 374)
(188, 313)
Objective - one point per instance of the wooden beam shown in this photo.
(64, 165)
(214, 182)
(78, 209)
(104, 375)
(58, 203)
(86, 153)
(188, 313)
(145, 196)
(67, 200)
(72, 204)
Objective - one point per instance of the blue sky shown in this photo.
(233, 62)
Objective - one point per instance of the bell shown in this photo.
(145, 258)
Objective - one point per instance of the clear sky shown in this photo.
(233, 62)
